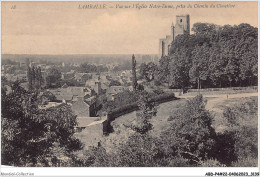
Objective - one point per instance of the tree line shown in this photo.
(214, 56)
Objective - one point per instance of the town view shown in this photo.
(191, 103)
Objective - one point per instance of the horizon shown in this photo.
(83, 54)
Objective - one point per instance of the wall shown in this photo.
(112, 115)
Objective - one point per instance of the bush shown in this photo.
(211, 163)
(246, 162)
(225, 147)
(158, 91)
(246, 142)
(190, 132)
(141, 150)
(241, 140)
(230, 116)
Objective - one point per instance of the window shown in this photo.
(180, 20)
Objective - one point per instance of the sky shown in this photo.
(63, 28)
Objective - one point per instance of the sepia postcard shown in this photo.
(129, 84)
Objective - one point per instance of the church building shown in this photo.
(182, 26)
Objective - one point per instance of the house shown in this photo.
(81, 99)
(84, 107)
(68, 94)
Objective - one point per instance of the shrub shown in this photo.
(141, 150)
(211, 163)
(241, 138)
(225, 147)
(190, 132)
(245, 162)
(246, 142)
(230, 116)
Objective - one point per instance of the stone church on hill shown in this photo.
(182, 26)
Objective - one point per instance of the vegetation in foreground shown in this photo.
(189, 141)
(32, 136)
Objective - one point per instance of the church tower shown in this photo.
(182, 25)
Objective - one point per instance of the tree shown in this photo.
(148, 71)
(142, 70)
(39, 78)
(46, 97)
(179, 69)
(33, 74)
(191, 134)
(35, 137)
(29, 76)
(141, 150)
(163, 73)
(219, 55)
(200, 70)
(148, 109)
(35, 79)
(134, 79)
(53, 79)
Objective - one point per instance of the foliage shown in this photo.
(114, 83)
(242, 133)
(125, 65)
(225, 148)
(46, 97)
(158, 91)
(190, 133)
(163, 73)
(140, 87)
(35, 78)
(140, 150)
(148, 109)
(211, 163)
(122, 98)
(245, 162)
(134, 78)
(189, 141)
(89, 68)
(53, 78)
(214, 56)
(33, 136)
(147, 71)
